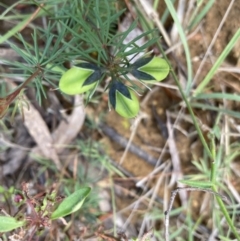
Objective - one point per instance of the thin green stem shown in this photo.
(226, 215)
(219, 61)
(183, 38)
(205, 145)
(213, 172)
(113, 206)
(213, 164)
(214, 188)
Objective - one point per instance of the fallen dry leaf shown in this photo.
(68, 129)
(47, 144)
(39, 131)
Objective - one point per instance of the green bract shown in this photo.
(86, 76)
(123, 100)
(150, 69)
(80, 79)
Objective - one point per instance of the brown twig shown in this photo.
(12, 96)
(32, 17)
(130, 7)
(7, 100)
(113, 135)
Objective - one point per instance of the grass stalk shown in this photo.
(217, 64)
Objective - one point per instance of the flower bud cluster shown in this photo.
(86, 76)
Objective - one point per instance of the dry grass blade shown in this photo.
(152, 14)
(177, 172)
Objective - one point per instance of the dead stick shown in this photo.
(112, 134)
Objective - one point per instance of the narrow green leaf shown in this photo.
(141, 48)
(183, 38)
(87, 65)
(235, 114)
(199, 13)
(9, 223)
(141, 62)
(223, 238)
(2, 189)
(219, 61)
(143, 76)
(72, 203)
(19, 26)
(206, 96)
(198, 183)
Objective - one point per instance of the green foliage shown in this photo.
(150, 69)
(123, 100)
(8, 223)
(71, 204)
(41, 211)
(112, 58)
(197, 183)
(79, 80)
(85, 31)
(86, 76)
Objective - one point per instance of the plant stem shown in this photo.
(9, 98)
(225, 213)
(219, 61)
(205, 145)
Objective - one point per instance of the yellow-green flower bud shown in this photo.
(80, 79)
(123, 100)
(150, 69)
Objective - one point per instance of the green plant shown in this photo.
(211, 168)
(82, 49)
(90, 28)
(86, 76)
(44, 210)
